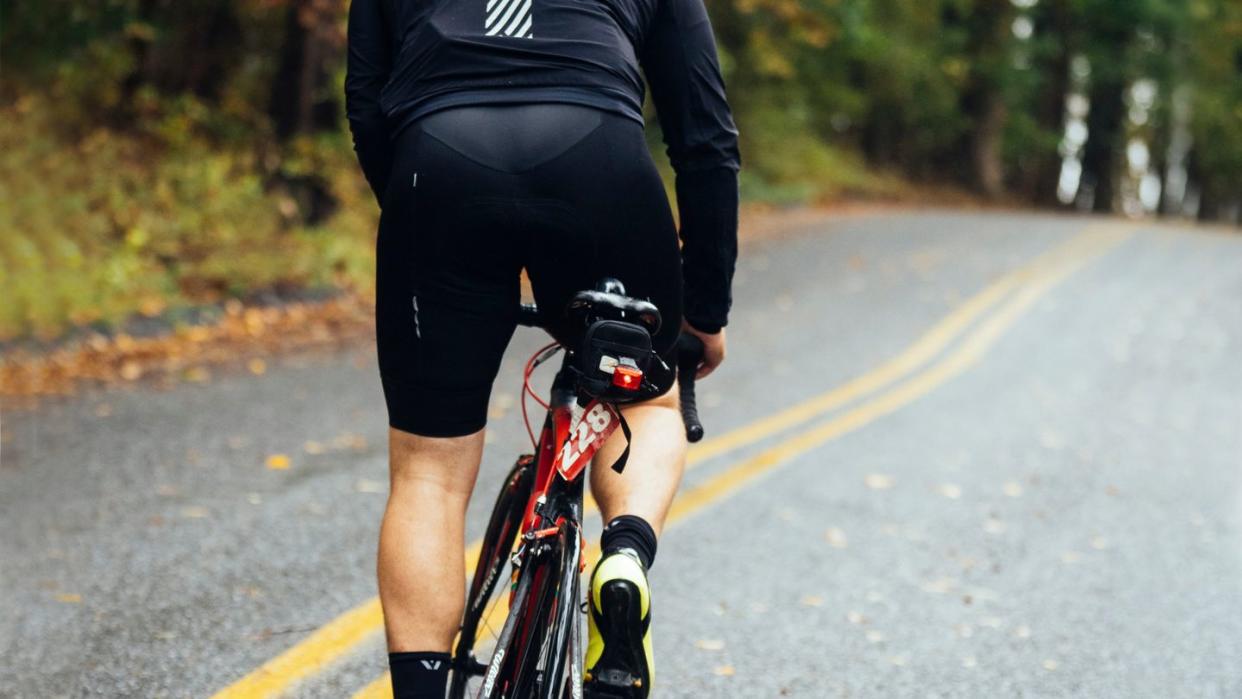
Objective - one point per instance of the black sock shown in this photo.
(419, 675)
(630, 532)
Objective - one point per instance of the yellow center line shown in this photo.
(972, 348)
(339, 637)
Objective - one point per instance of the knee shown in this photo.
(449, 464)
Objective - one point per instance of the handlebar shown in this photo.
(689, 354)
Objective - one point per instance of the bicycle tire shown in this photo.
(499, 672)
(502, 529)
(539, 663)
(563, 669)
(538, 638)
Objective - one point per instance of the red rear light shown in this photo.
(627, 377)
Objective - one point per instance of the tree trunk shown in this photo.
(1041, 177)
(302, 98)
(989, 168)
(978, 153)
(1100, 159)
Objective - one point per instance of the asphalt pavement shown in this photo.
(952, 454)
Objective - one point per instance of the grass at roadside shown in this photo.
(103, 230)
(99, 229)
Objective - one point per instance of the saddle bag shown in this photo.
(609, 347)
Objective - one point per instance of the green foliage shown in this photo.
(97, 229)
(159, 153)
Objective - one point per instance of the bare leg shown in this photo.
(422, 538)
(657, 459)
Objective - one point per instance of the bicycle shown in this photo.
(539, 649)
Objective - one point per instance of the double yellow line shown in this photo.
(986, 316)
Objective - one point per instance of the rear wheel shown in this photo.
(539, 650)
(494, 554)
(563, 666)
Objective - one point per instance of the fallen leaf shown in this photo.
(500, 405)
(1023, 631)
(257, 366)
(709, 644)
(1070, 557)
(313, 448)
(278, 462)
(103, 410)
(724, 670)
(195, 512)
(197, 374)
(940, 585)
(69, 598)
(1051, 664)
(349, 440)
(874, 636)
(899, 660)
(1099, 543)
(836, 538)
(993, 526)
(855, 618)
(969, 662)
(950, 490)
(879, 481)
(1013, 489)
(812, 601)
(365, 485)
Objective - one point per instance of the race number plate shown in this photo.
(587, 433)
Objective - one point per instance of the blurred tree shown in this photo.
(304, 98)
(208, 134)
(1051, 52)
(1216, 121)
(1110, 27)
(986, 51)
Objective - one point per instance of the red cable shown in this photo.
(526, 389)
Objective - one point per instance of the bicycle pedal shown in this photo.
(618, 678)
(612, 685)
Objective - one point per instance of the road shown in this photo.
(951, 455)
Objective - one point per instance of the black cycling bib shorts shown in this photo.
(477, 194)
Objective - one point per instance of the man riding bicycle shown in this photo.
(507, 135)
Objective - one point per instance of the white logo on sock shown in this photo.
(431, 664)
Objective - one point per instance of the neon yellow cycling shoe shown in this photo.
(619, 661)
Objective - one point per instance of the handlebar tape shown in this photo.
(689, 355)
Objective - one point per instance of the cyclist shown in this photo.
(501, 135)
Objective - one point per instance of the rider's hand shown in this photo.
(713, 348)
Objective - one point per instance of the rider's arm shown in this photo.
(679, 59)
(370, 60)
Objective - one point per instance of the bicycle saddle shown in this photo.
(609, 302)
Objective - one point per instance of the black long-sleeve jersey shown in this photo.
(409, 58)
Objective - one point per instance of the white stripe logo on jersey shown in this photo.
(509, 18)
